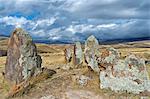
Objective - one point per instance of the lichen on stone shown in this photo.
(22, 59)
(127, 75)
(91, 53)
(78, 54)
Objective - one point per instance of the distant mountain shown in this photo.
(2, 37)
(52, 41)
(113, 41)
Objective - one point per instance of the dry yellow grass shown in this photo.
(53, 57)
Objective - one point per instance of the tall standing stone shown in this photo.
(78, 54)
(68, 55)
(22, 58)
(91, 52)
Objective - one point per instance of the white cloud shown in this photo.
(39, 33)
(17, 22)
(87, 27)
(107, 26)
(44, 22)
(75, 19)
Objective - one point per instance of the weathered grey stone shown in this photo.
(137, 66)
(108, 58)
(22, 59)
(109, 55)
(68, 55)
(127, 75)
(81, 79)
(91, 52)
(78, 54)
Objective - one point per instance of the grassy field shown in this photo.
(62, 85)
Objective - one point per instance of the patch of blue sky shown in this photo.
(31, 16)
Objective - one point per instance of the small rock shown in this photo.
(48, 97)
(81, 80)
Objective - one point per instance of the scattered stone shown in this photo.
(91, 53)
(68, 55)
(3, 53)
(78, 54)
(81, 79)
(22, 59)
(48, 97)
(66, 66)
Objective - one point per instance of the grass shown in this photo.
(53, 57)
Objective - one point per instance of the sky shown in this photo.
(75, 20)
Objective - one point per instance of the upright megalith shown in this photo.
(22, 58)
(68, 55)
(91, 52)
(78, 54)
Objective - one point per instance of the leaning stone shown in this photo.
(22, 59)
(78, 54)
(91, 52)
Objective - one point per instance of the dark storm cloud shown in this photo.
(112, 9)
(71, 20)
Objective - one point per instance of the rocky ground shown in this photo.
(74, 83)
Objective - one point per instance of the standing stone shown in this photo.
(108, 57)
(128, 75)
(137, 66)
(91, 52)
(68, 55)
(78, 54)
(22, 59)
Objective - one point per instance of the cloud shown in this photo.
(72, 20)
(110, 8)
(44, 22)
